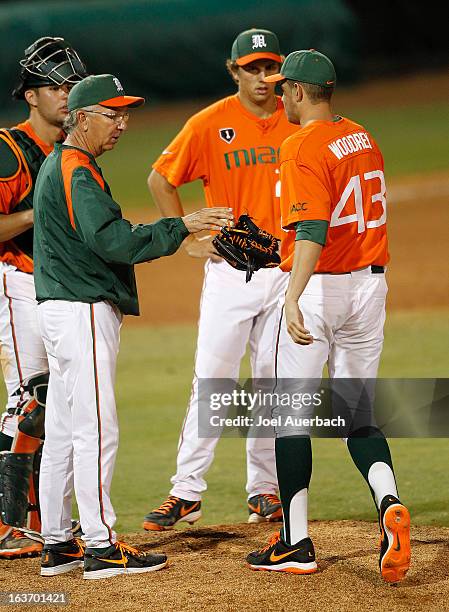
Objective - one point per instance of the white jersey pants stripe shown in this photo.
(81, 428)
(22, 351)
(233, 313)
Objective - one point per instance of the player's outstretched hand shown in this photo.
(295, 324)
(202, 247)
(208, 219)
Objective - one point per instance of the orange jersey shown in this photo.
(13, 189)
(334, 171)
(236, 155)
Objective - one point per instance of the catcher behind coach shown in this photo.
(48, 70)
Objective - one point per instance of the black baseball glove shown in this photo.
(246, 247)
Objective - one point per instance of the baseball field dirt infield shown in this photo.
(169, 288)
(207, 571)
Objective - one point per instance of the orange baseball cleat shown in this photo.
(21, 543)
(395, 553)
(264, 508)
(172, 511)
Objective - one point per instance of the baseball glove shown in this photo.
(246, 247)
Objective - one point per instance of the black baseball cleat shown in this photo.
(264, 508)
(174, 510)
(120, 558)
(394, 519)
(62, 557)
(277, 556)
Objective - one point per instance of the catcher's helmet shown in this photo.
(49, 61)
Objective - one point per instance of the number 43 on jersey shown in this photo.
(354, 186)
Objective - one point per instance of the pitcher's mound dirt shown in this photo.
(207, 571)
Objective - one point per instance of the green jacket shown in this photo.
(84, 250)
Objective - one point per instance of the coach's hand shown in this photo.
(295, 323)
(208, 219)
(201, 247)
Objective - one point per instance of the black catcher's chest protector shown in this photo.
(34, 158)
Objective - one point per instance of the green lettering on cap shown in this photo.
(309, 67)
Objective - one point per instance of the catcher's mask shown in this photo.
(49, 61)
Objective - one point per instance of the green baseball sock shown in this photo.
(294, 470)
(371, 454)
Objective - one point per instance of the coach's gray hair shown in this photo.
(71, 121)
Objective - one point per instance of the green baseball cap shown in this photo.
(255, 44)
(307, 67)
(103, 89)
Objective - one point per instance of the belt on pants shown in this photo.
(374, 270)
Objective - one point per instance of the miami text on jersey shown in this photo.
(251, 157)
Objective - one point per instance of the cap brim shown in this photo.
(131, 101)
(273, 78)
(252, 57)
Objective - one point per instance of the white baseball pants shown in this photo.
(232, 313)
(22, 351)
(81, 428)
(345, 313)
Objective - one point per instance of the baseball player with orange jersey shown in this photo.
(333, 203)
(232, 146)
(48, 71)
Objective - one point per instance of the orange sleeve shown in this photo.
(184, 160)
(304, 196)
